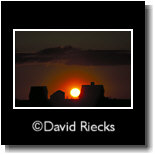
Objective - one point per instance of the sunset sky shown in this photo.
(65, 60)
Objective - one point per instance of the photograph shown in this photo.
(74, 74)
(87, 68)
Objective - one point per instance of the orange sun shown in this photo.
(75, 92)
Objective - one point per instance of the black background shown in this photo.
(130, 123)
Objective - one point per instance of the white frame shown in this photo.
(14, 30)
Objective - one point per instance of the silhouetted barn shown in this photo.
(38, 95)
(57, 98)
(91, 94)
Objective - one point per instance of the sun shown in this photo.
(75, 92)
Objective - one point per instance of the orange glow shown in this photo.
(68, 77)
(75, 92)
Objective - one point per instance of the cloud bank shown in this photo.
(73, 56)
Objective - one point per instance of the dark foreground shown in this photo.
(107, 102)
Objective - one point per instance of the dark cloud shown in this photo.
(74, 56)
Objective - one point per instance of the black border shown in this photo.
(16, 124)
